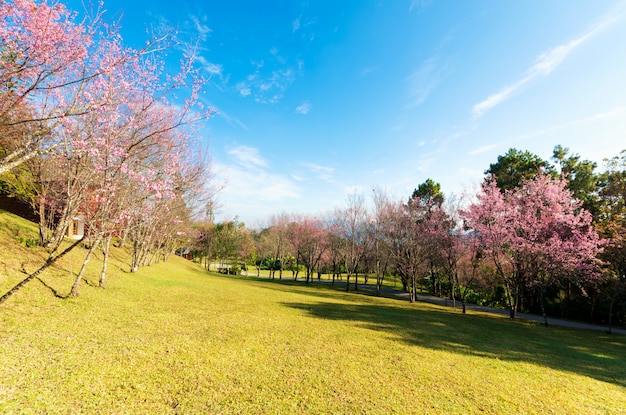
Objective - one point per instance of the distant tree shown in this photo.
(611, 223)
(334, 254)
(428, 192)
(379, 247)
(516, 167)
(308, 240)
(351, 222)
(278, 244)
(404, 236)
(582, 181)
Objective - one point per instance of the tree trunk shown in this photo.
(543, 308)
(81, 273)
(611, 315)
(510, 299)
(106, 245)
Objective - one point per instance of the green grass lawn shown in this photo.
(173, 338)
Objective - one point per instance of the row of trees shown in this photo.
(93, 129)
(537, 237)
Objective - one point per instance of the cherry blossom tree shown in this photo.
(533, 234)
(403, 235)
(351, 222)
(46, 61)
(103, 118)
(309, 241)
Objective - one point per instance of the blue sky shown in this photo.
(318, 99)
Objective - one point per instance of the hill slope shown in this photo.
(175, 339)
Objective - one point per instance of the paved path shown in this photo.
(526, 316)
(390, 292)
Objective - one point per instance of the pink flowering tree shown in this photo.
(309, 242)
(534, 234)
(47, 59)
(99, 116)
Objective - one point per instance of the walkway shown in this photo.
(392, 293)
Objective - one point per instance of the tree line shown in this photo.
(93, 129)
(539, 236)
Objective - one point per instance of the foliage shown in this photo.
(516, 167)
(428, 192)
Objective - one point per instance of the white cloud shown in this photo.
(250, 189)
(482, 149)
(295, 25)
(304, 108)
(201, 27)
(544, 64)
(210, 67)
(618, 112)
(424, 80)
(324, 173)
(368, 70)
(245, 155)
(418, 4)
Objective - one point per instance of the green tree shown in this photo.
(582, 180)
(516, 167)
(429, 192)
(611, 223)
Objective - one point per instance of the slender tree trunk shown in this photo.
(106, 245)
(510, 299)
(543, 308)
(453, 295)
(49, 261)
(611, 314)
(81, 273)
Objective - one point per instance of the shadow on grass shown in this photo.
(590, 354)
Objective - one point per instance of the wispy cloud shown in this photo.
(544, 64)
(253, 190)
(324, 173)
(424, 80)
(618, 112)
(482, 149)
(250, 185)
(210, 67)
(270, 79)
(295, 25)
(201, 27)
(304, 108)
(232, 120)
(245, 155)
(418, 4)
(368, 70)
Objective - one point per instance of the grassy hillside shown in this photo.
(175, 339)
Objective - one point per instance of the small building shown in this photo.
(76, 229)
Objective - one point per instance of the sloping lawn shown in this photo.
(175, 339)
